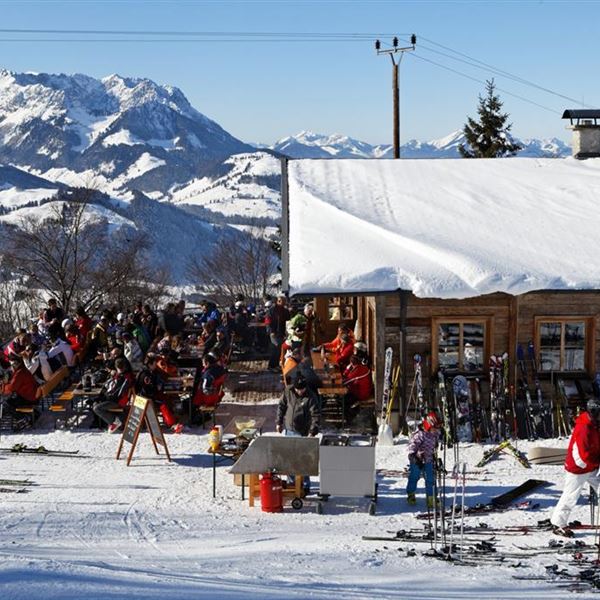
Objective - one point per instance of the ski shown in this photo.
(12, 490)
(531, 417)
(41, 450)
(385, 435)
(543, 415)
(445, 409)
(488, 455)
(415, 539)
(482, 509)
(21, 482)
(525, 488)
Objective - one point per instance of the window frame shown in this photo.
(340, 304)
(589, 350)
(486, 321)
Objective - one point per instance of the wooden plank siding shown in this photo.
(512, 321)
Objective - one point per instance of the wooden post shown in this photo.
(513, 338)
(396, 110)
(285, 227)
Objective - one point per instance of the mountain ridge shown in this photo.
(308, 144)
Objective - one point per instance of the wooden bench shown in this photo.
(49, 386)
(44, 391)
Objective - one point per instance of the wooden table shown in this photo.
(73, 398)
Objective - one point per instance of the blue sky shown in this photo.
(263, 91)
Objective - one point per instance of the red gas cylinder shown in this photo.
(271, 493)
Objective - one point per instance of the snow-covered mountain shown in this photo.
(307, 144)
(146, 134)
(158, 164)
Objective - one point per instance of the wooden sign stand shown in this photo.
(142, 412)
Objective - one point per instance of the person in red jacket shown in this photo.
(83, 322)
(343, 353)
(22, 384)
(581, 465)
(20, 390)
(357, 377)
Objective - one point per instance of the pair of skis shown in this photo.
(40, 451)
(504, 446)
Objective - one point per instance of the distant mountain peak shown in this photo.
(308, 144)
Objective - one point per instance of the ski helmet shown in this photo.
(431, 421)
(593, 407)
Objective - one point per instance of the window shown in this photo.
(563, 344)
(341, 308)
(460, 344)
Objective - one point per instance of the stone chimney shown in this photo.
(586, 132)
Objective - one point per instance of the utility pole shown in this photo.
(395, 87)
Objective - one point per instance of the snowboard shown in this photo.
(462, 403)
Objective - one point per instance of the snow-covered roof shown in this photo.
(443, 228)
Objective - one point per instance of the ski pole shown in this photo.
(597, 533)
(462, 509)
(443, 495)
(456, 468)
(434, 539)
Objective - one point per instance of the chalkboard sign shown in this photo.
(134, 419)
(142, 413)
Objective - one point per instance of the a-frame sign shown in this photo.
(142, 412)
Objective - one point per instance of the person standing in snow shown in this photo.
(298, 416)
(421, 456)
(276, 319)
(581, 465)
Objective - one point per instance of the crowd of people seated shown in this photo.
(124, 351)
(136, 349)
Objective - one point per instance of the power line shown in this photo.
(483, 65)
(552, 110)
(176, 40)
(266, 34)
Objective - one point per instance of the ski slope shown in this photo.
(94, 528)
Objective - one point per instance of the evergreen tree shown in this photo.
(489, 137)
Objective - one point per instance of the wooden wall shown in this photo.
(512, 321)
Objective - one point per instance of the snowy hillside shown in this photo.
(250, 188)
(146, 133)
(171, 232)
(307, 144)
(18, 188)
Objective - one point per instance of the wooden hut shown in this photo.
(454, 260)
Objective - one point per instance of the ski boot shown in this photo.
(432, 502)
(563, 531)
(411, 499)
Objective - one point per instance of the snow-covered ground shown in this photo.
(94, 528)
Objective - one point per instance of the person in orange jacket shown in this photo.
(334, 345)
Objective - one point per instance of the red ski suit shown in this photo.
(583, 455)
(359, 381)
